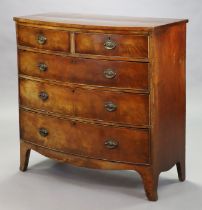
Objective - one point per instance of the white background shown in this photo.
(49, 185)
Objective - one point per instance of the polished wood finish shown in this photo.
(24, 156)
(169, 101)
(55, 40)
(133, 144)
(59, 98)
(98, 22)
(126, 45)
(84, 71)
(72, 101)
(126, 103)
(130, 117)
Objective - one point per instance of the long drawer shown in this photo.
(90, 140)
(85, 71)
(96, 104)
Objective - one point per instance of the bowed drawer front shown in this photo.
(100, 142)
(119, 74)
(103, 92)
(101, 105)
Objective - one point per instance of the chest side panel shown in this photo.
(168, 101)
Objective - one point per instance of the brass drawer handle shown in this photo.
(109, 73)
(42, 67)
(109, 44)
(43, 132)
(41, 39)
(110, 107)
(43, 95)
(111, 144)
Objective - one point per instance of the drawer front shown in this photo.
(85, 71)
(132, 46)
(52, 98)
(95, 104)
(99, 142)
(41, 38)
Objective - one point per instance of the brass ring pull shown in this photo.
(43, 95)
(109, 44)
(42, 67)
(43, 132)
(41, 39)
(111, 144)
(110, 107)
(109, 73)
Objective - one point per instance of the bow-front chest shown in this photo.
(103, 92)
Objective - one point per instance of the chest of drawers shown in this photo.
(103, 92)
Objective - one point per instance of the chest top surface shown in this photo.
(95, 21)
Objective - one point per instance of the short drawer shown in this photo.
(131, 46)
(85, 71)
(112, 106)
(89, 140)
(48, 39)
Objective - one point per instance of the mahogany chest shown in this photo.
(103, 92)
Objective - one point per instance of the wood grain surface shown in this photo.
(121, 108)
(85, 71)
